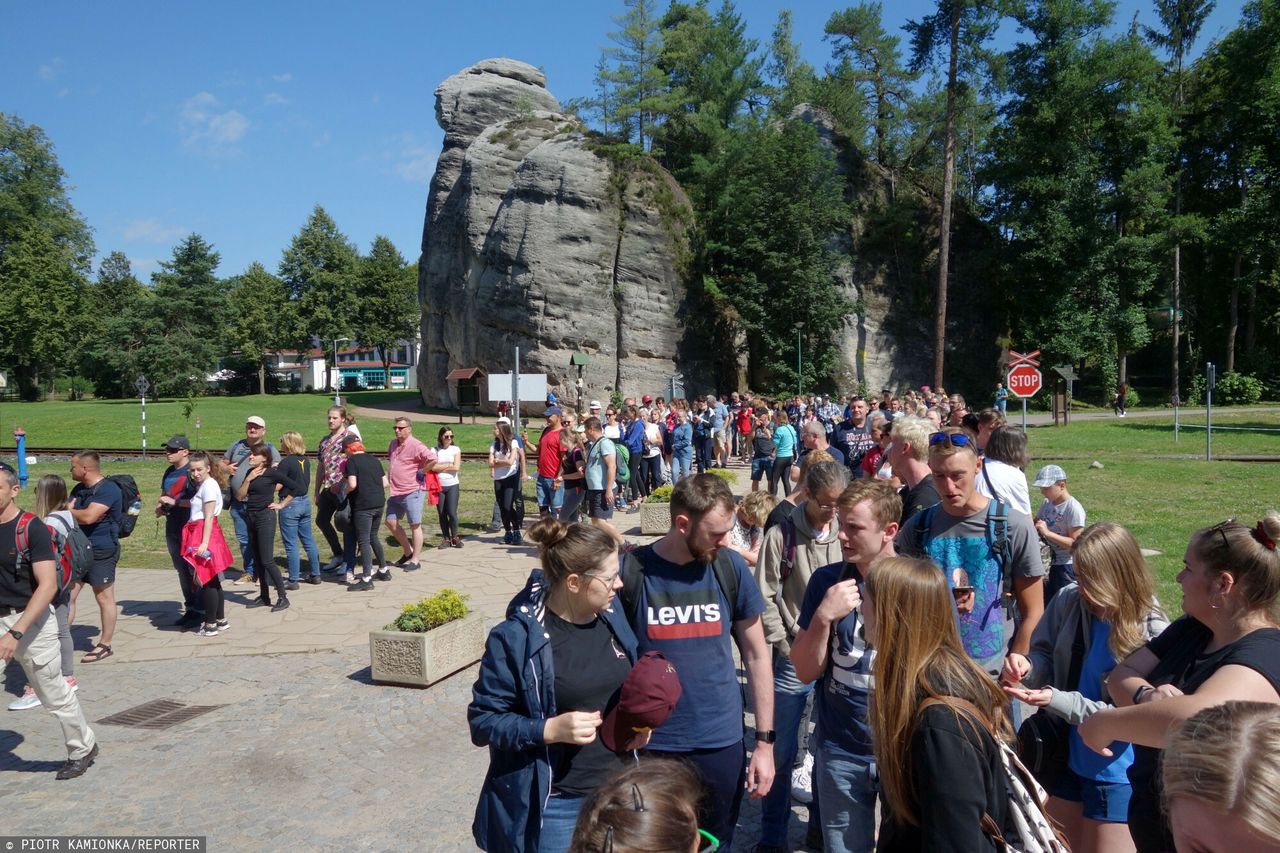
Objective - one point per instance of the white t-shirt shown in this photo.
(209, 491)
(508, 463)
(448, 456)
(613, 432)
(1009, 483)
(1062, 519)
(654, 436)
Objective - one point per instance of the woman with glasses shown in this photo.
(447, 465)
(547, 674)
(652, 806)
(1226, 647)
(612, 430)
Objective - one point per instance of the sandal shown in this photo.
(100, 651)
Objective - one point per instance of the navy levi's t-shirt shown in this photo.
(683, 613)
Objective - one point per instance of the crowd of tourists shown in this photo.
(931, 660)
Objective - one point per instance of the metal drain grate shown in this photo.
(157, 714)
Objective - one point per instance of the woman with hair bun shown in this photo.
(1226, 647)
(1221, 772)
(652, 806)
(549, 669)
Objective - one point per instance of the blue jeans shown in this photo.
(549, 494)
(845, 790)
(240, 518)
(558, 820)
(295, 525)
(681, 463)
(789, 697)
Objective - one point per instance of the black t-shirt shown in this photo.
(18, 585)
(297, 473)
(262, 489)
(762, 442)
(590, 668)
(570, 466)
(368, 473)
(921, 496)
(1184, 664)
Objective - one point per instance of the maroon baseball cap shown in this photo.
(645, 701)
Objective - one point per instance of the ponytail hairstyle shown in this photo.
(567, 549)
(51, 495)
(652, 806)
(216, 471)
(1250, 554)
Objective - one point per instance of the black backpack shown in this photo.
(131, 505)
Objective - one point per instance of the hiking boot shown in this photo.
(76, 766)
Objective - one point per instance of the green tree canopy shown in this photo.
(387, 299)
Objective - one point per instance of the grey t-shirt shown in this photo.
(1062, 519)
(238, 454)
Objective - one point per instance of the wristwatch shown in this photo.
(17, 635)
(768, 736)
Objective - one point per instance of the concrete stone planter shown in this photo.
(655, 519)
(420, 660)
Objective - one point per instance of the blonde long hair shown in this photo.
(919, 656)
(1113, 577)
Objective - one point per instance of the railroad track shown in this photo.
(158, 453)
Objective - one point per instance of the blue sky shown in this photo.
(234, 119)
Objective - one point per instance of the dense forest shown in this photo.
(1132, 194)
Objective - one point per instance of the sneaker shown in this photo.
(384, 575)
(314, 579)
(506, 538)
(403, 561)
(802, 782)
(207, 631)
(292, 585)
(350, 579)
(457, 542)
(445, 543)
(244, 579)
(28, 699)
(411, 567)
(223, 625)
(282, 604)
(515, 538)
(365, 585)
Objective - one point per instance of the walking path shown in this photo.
(305, 751)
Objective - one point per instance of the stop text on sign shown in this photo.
(1024, 380)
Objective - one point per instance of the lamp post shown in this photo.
(336, 383)
(799, 372)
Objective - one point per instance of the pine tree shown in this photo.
(857, 35)
(637, 82)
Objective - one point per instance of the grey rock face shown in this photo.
(532, 239)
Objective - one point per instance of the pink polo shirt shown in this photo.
(406, 459)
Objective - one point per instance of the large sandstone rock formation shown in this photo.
(533, 239)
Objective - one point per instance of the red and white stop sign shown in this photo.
(1024, 381)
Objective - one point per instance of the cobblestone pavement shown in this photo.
(306, 751)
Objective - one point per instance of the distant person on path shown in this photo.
(175, 501)
(681, 446)
(204, 548)
(573, 472)
(548, 673)
(365, 487)
(257, 490)
(1002, 399)
(28, 628)
(688, 596)
(700, 420)
(97, 504)
(1059, 521)
(785, 448)
(1121, 401)
(507, 470)
(51, 506)
(601, 469)
(235, 459)
(331, 490)
(295, 510)
(447, 465)
(548, 487)
(407, 459)
(762, 453)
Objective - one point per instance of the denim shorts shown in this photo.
(406, 506)
(1105, 802)
(760, 468)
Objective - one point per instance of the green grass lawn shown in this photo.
(118, 423)
(1163, 500)
(146, 547)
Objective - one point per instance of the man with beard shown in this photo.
(685, 595)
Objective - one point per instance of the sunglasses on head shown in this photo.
(955, 439)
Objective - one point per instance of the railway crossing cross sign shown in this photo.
(1024, 376)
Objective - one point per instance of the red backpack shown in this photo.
(72, 553)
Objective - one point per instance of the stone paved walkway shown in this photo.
(307, 753)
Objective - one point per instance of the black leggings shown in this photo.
(262, 539)
(326, 506)
(448, 511)
(781, 473)
(636, 486)
(505, 491)
(214, 603)
(367, 538)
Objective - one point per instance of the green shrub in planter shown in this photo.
(725, 475)
(660, 495)
(445, 606)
